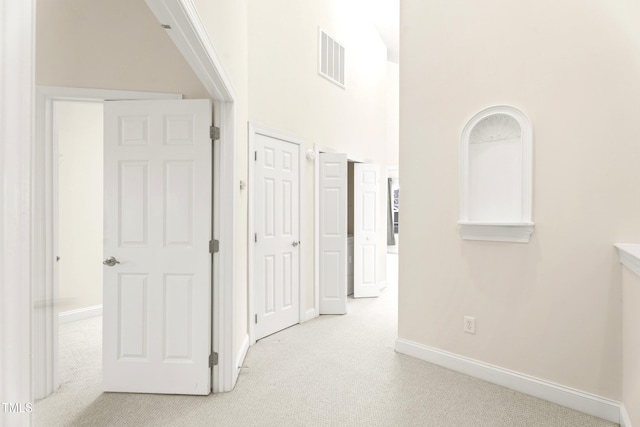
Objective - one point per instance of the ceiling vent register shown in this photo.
(331, 58)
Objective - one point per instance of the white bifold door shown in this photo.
(276, 241)
(367, 228)
(157, 229)
(333, 233)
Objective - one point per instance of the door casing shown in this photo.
(336, 242)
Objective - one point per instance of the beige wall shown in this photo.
(550, 308)
(79, 204)
(287, 93)
(631, 344)
(108, 44)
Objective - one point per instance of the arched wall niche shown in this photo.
(495, 176)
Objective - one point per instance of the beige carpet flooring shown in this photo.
(331, 371)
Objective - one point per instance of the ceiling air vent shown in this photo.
(331, 60)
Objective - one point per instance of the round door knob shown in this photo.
(111, 261)
(294, 244)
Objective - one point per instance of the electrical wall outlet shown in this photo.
(469, 325)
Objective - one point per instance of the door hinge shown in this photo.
(213, 359)
(256, 318)
(255, 237)
(255, 156)
(214, 133)
(214, 246)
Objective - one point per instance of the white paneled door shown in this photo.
(276, 240)
(366, 230)
(157, 228)
(333, 233)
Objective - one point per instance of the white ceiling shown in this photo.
(386, 18)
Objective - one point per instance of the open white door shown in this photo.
(276, 198)
(366, 230)
(333, 233)
(157, 228)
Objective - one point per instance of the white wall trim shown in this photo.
(242, 354)
(192, 40)
(629, 256)
(51, 93)
(80, 314)
(625, 421)
(224, 299)
(302, 169)
(17, 47)
(256, 129)
(515, 229)
(250, 232)
(587, 403)
(310, 314)
(494, 232)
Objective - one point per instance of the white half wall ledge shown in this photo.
(496, 232)
(629, 254)
(581, 401)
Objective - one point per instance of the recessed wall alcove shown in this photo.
(495, 176)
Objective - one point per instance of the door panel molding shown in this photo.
(332, 253)
(157, 300)
(255, 131)
(367, 226)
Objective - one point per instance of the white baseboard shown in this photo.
(587, 403)
(80, 314)
(309, 314)
(625, 421)
(240, 359)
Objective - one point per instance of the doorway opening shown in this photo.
(350, 221)
(78, 199)
(77, 227)
(393, 225)
(349, 243)
(393, 210)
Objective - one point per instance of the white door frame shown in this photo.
(45, 233)
(17, 54)
(254, 130)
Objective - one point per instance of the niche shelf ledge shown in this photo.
(496, 232)
(630, 256)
